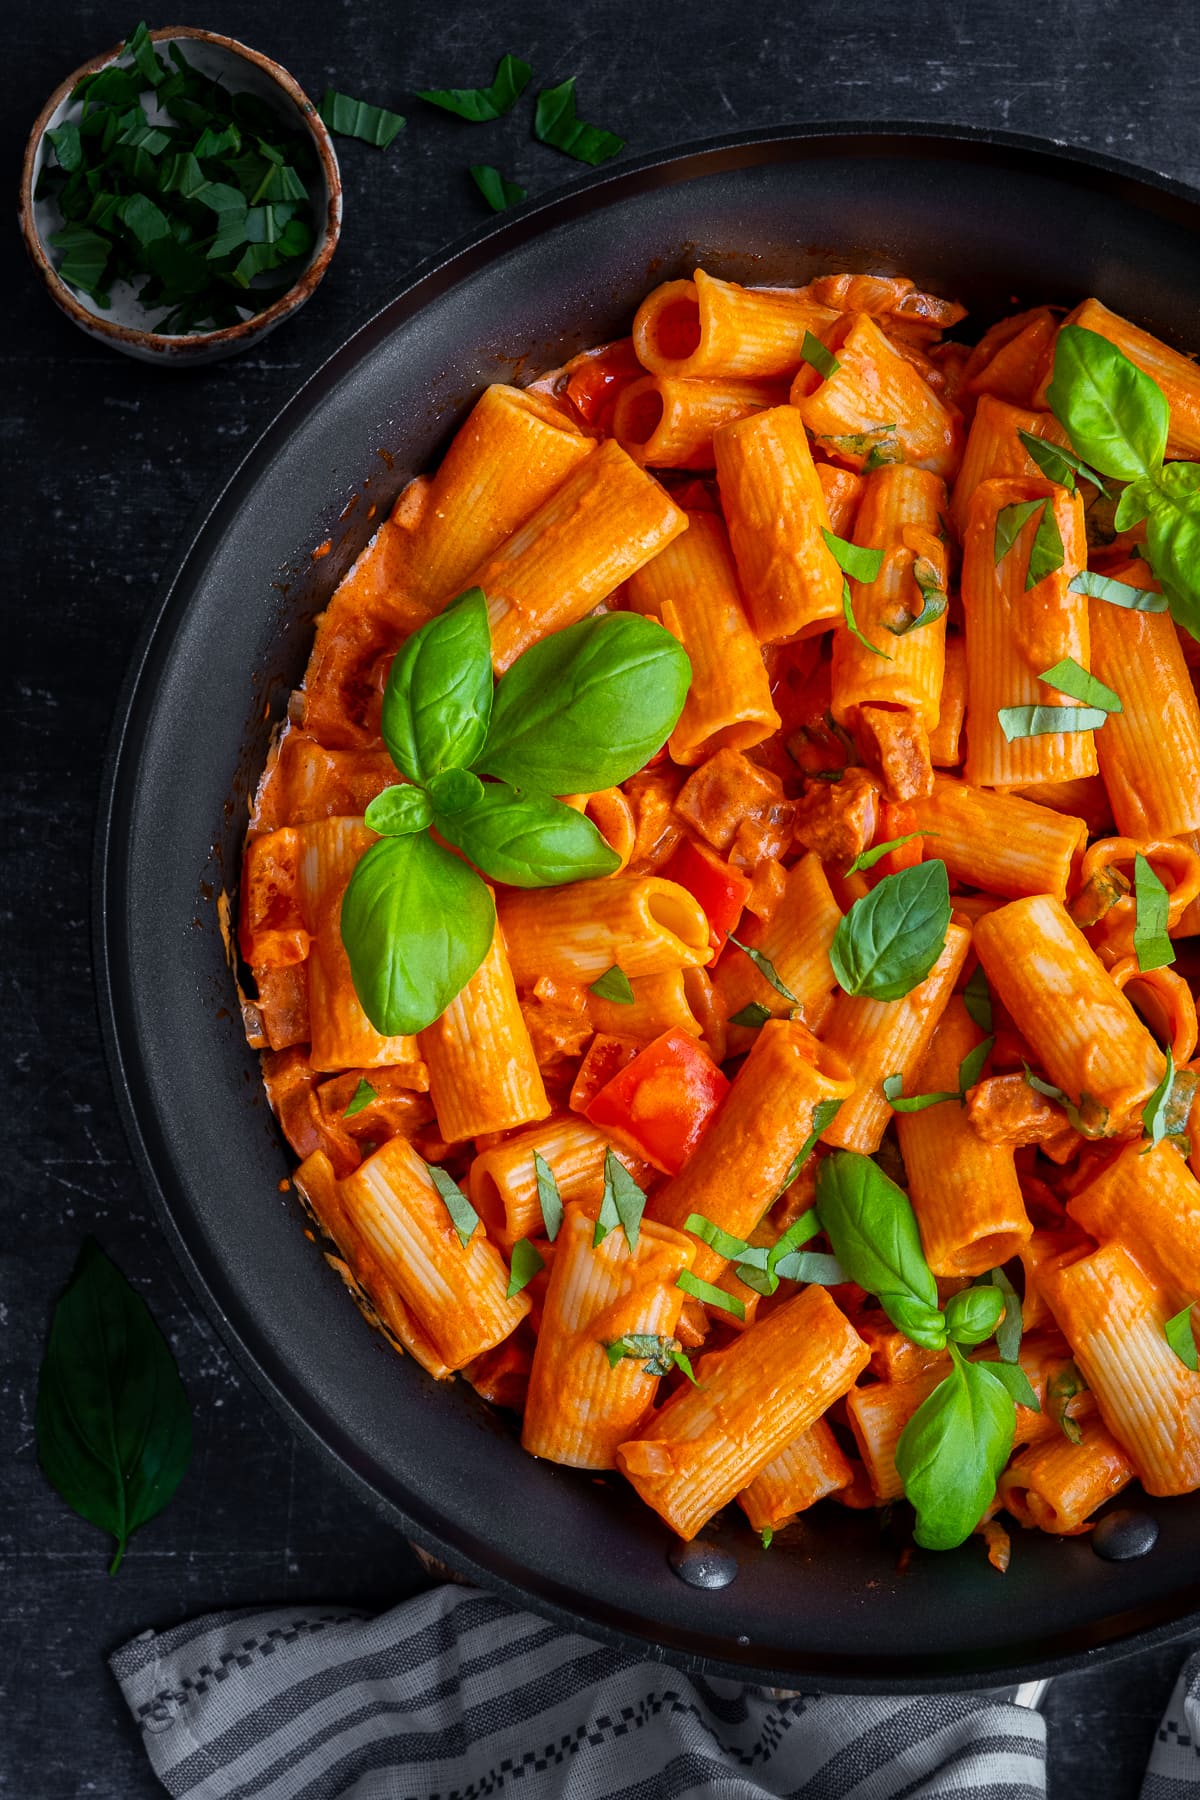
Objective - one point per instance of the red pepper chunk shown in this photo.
(721, 891)
(595, 379)
(662, 1103)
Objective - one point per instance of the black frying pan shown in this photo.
(996, 222)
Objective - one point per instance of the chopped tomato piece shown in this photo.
(594, 380)
(663, 1102)
(896, 820)
(721, 891)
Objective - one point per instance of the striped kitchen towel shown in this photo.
(456, 1696)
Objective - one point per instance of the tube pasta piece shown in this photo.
(692, 587)
(739, 1166)
(1113, 1317)
(514, 451)
(503, 1180)
(1085, 1033)
(1013, 371)
(994, 451)
(1150, 751)
(878, 1038)
(366, 1280)
(1165, 996)
(877, 1414)
(580, 1408)
(945, 740)
(391, 1225)
(304, 781)
(964, 1192)
(796, 941)
(842, 489)
(804, 1472)
(894, 297)
(1015, 634)
(660, 1003)
(1175, 863)
(1149, 1200)
(706, 329)
(775, 509)
(1057, 1485)
(708, 1443)
(898, 514)
(1176, 374)
(595, 530)
(640, 923)
(612, 815)
(483, 1074)
(665, 423)
(998, 842)
(271, 929)
(875, 398)
(342, 1035)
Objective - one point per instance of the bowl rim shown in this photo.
(1109, 1635)
(187, 344)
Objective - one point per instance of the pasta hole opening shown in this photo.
(488, 1202)
(673, 909)
(677, 330)
(641, 416)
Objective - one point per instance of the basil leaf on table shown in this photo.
(438, 701)
(1117, 593)
(114, 1428)
(1070, 678)
(1114, 414)
(499, 193)
(482, 104)
(973, 1314)
(1151, 943)
(351, 118)
(890, 939)
(555, 123)
(526, 839)
(871, 1225)
(614, 985)
(399, 811)
(549, 1198)
(952, 1451)
(586, 707)
(416, 924)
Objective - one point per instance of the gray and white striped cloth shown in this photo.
(456, 1696)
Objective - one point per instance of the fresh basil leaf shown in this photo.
(710, 1295)
(1061, 1389)
(814, 353)
(890, 939)
(755, 1015)
(1117, 593)
(463, 1216)
(951, 1453)
(1133, 505)
(823, 1115)
(416, 924)
(67, 145)
(971, 1066)
(549, 1198)
(852, 559)
(613, 985)
(866, 859)
(1046, 552)
(527, 840)
(453, 791)
(218, 141)
(555, 123)
(1112, 412)
(356, 119)
(1070, 678)
(1009, 523)
(141, 48)
(872, 1228)
(973, 1314)
(766, 1536)
(977, 998)
(1181, 1335)
(623, 1203)
(765, 967)
(934, 600)
(875, 442)
(852, 625)
(1008, 1331)
(1151, 943)
(1058, 464)
(362, 1097)
(85, 259)
(1156, 1110)
(437, 705)
(482, 104)
(1173, 545)
(114, 1428)
(882, 455)
(723, 1242)
(525, 1262)
(587, 707)
(811, 1265)
(1088, 1117)
(1047, 721)
(1014, 1378)
(761, 1269)
(499, 193)
(398, 811)
(663, 1354)
(893, 1093)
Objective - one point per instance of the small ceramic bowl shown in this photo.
(123, 325)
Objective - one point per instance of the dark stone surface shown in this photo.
(104, 461)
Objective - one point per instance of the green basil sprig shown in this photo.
(953, 1449)
(662, 1354)
(890, 939)
(1118, 418)
(1151, 943)
(1059, 465)
(580, 711)
(526, 1262)
(873, 1230)
(114, 1428)
(622, 1205)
